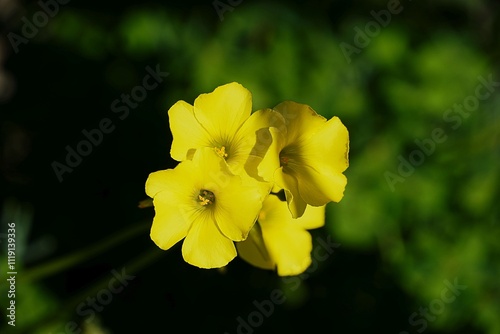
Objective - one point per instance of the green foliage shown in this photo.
(439, 223)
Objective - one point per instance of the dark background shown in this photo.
(397, 245)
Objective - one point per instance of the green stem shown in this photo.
(67, 311)
(67, 261)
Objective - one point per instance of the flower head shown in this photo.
(202, 201)
(229, 160)
(277, 241)
(307, 160)
(222, 121)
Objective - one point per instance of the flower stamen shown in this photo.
(221, 152)
(284, 161)
(206, 197)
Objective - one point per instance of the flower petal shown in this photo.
(205, 246)
(320, 188)
(275, 212)
(253, 140)
(329, 147)
(313, 217)
(237, 208)
(290, 247)
(238, 200)
(271, 161)
(171, 180)
(278, 240)
(287, 242)
(170, 223)
(223, 111)
(187, 133)
(172, 193)
(253, 250)
(288, 182)
(301, 120)
(324, 158)
(211, 170)
(158, 181)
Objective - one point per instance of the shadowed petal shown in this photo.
(301, 120)
(287, 240)
(253, 250)
(271, 161)
(253, 141)
(279, 241)
(289, 183)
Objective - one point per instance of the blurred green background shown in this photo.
(405, 229)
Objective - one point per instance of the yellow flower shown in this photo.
(202, 201)
(279, 241)
(222, 121)
(307, 160)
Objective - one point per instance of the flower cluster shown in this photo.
(222, 197)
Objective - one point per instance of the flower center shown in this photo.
(288, 158)
(206, 197)
(221, 151)
(284, 160)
